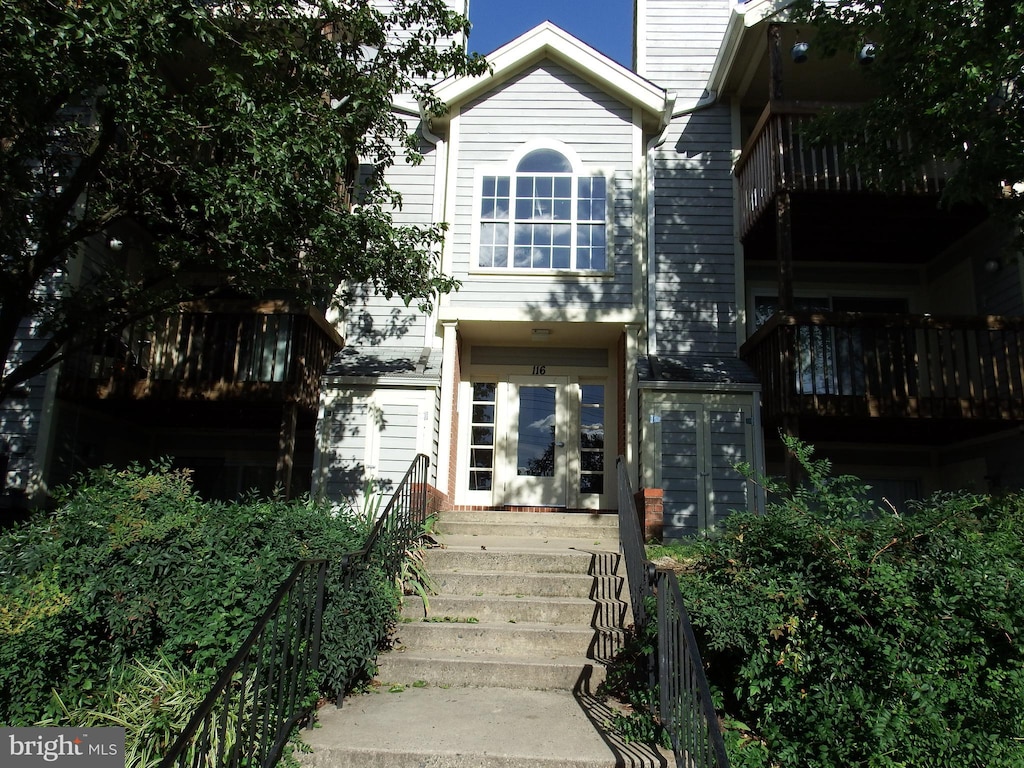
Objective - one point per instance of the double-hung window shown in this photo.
(544, 215)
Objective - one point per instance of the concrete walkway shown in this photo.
(503, 669)
(472, 728)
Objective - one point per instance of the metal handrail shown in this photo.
(269, 685)
(685, 708)
(264, 690)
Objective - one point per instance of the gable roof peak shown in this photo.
(548, 41)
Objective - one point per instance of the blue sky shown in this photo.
(606, 25)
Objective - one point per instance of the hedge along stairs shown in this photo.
(501, 668)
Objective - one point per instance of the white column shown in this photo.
(632, 395)
(449, 362)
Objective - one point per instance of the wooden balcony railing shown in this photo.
(266, 351)
(779, 155)
(889, 366)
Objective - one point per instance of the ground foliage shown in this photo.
(215, 140)
(135, 567)
(949, 73)
(837, 631)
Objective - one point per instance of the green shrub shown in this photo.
(135, 566)
(838, 632)
(153, 703)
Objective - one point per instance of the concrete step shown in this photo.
(539, 526)
(473, 728)
(456, 669)
(505, 608)
(481, 583)
(513, 688)
(525, 639)
(606, 520)
(497, 556)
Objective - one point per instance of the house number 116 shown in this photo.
(540, 370)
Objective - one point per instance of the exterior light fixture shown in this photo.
(799, 52)
(992, 265)
(115, 244)
(867, 53)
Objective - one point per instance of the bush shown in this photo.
(135, 566)
(838, 632)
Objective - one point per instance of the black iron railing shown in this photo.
(685, 708)
(267, 687)
(271, 683)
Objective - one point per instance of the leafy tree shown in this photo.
(949, 73)
(160, 151)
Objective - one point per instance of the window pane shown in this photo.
(522, 258)
(591, 193)
(479, 457)
(561, 258)
(590, 247)
(483, 436)
(536, 444)
(524, 208)
(592, 454)
(481, 452)
(545, 160)
(483, 413)
(524, 234)
(484, 391)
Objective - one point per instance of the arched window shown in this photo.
(543, 215)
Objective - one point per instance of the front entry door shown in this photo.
(538, 440)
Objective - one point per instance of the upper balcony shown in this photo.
(780, 155)
(965, 375)
(264, 352)
(837, 211)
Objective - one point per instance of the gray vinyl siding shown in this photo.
(545, 102)
(729, 489)
(349, 428)
(343, 454)
(23, 415)
(694, 250)
(372, 319)
(398, 428)
(999, 292)
(397, 35)
(680, 471)
(692, 444)
(683, 37)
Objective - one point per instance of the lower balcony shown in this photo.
(965, 375)
(268, 352)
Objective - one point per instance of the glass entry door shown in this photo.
(538, 440)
